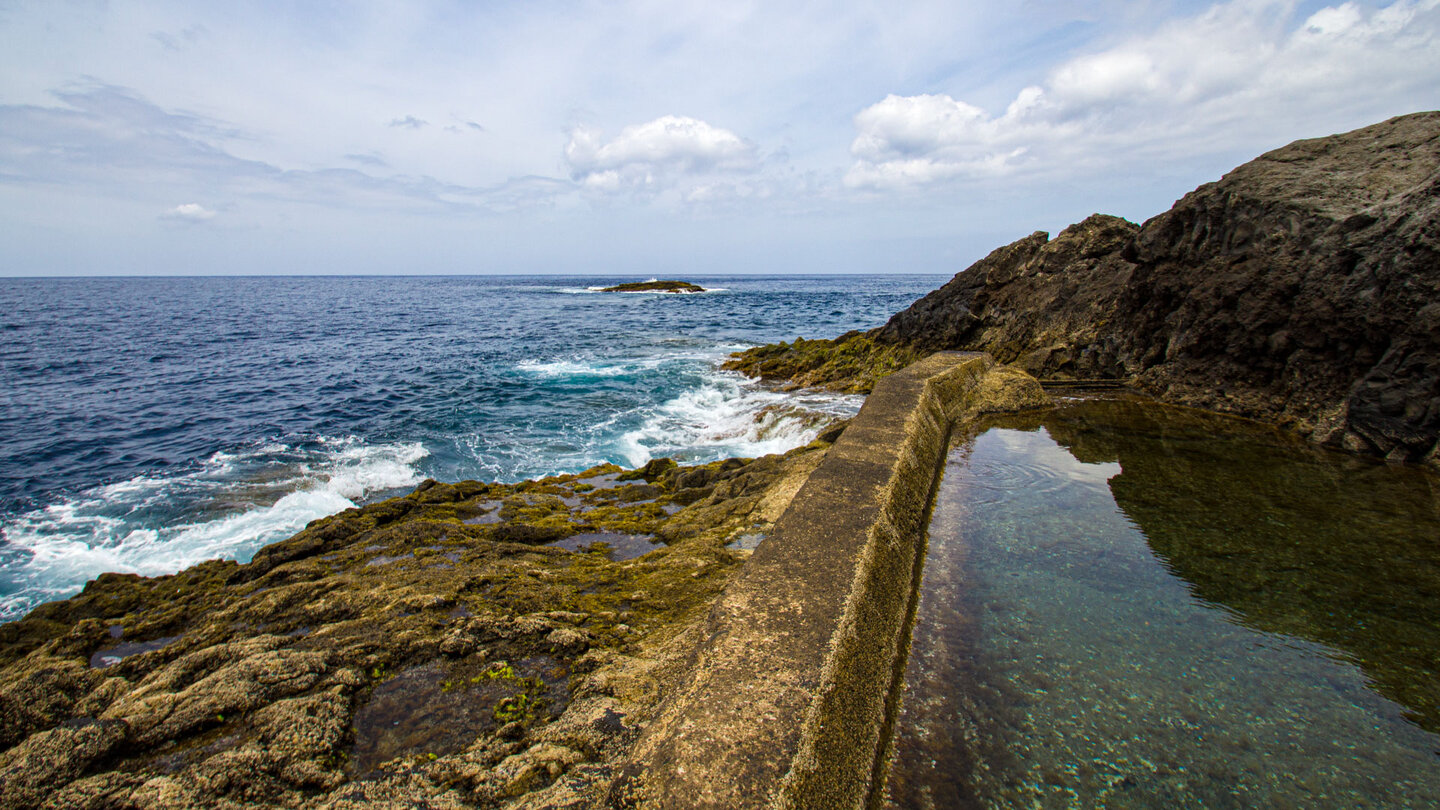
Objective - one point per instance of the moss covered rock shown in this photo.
(451, 647)
(851, 363)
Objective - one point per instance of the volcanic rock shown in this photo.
(656, 286)
(1303, 288)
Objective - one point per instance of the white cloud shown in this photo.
(190, 212)
(1222, 80)
(915, 140)
(1107, 76)
(111, 140)
(1333, 21)
(656, 153)
(915, 125)
(1013, 115)
(367, 159)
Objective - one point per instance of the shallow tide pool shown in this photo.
(1128, 605)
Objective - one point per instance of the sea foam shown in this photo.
(732, 415)
(575, 368)
(111, 464)
(229, 507)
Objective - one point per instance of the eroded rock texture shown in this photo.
(1303, 288)
(466, 645)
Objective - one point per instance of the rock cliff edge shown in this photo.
(1303, 288)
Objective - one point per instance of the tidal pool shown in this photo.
(1129, 605)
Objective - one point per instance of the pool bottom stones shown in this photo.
(1132, 605)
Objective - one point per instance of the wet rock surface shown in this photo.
(656, 286)
(851, 363)
(1301, 289)
(403, 654)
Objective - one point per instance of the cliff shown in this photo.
(1300, 289)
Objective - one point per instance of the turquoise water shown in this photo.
(1126, 605)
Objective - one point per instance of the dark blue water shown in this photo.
(146, 424)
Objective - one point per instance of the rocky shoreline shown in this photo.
(488, 645)
(465, 645)
(1301, 289)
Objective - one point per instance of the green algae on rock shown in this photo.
(1298, 289)
(510, 664)
(788, 701)
(656, 286)
(851, 363)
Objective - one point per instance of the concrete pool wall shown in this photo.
(793, 690)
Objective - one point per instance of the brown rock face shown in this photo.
(1302, 288)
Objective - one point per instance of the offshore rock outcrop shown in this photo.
(656, 286)
(1303, 288)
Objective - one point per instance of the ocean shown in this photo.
(147, 424)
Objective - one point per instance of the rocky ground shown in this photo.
(465, 645)
(1303, 288)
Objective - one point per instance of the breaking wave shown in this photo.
(229, 507)
(732, 415)
(116, 407)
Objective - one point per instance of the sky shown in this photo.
(647, 137)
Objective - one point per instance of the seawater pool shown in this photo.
(1130, 605)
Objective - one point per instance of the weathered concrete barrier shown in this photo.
(791, 696)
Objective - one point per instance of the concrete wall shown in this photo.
(792, 694)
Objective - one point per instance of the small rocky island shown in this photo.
(656, 286)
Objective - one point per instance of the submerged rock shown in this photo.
(1303, 288)
(656, 286)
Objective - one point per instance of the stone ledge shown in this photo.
(792, 692)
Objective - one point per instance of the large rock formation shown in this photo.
(1303, 288)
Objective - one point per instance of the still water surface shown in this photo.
(1127, 605)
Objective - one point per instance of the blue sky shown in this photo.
(649, 138)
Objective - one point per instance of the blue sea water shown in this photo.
(150, 423)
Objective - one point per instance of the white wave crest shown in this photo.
(591, 366)
(731, 415)
(574, 368)
(234, 504)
